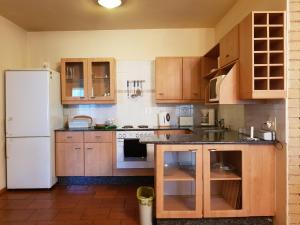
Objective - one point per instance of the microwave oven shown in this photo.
(214, 88)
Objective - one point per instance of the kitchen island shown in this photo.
(213, 175)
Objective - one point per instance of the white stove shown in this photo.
(131, 153)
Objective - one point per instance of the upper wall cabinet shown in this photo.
(178, 80)
(88, 81)
(262, 56)
(168, 78)
(229, 47)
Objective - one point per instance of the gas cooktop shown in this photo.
(132, 127)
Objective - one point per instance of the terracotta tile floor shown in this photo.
(71, 205)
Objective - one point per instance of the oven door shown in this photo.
(134, 150)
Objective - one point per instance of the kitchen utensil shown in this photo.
(128, 88)
(138, 90)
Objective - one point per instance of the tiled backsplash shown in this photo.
(256, 115)
(133, 111)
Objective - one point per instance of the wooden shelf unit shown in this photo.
(262, 34)
(222, 175)
(179, 203)
(177, 174)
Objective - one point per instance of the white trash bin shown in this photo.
(145, 196)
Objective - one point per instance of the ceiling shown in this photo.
(59, 15)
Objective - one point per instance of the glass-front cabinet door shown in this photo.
(225, 180)
(73, 79)
(179, 181)
(101, 79)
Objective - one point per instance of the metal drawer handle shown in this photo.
(77, 148)
(69, 137)
(98, 136)
(92, 97)
(90, 148)
(212, 150)
(160, 94)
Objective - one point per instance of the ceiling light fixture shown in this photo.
(110, 3)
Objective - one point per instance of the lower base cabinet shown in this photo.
(236, 181)
(84, 153)
(178, 181)
(98, 159)
(69, 159)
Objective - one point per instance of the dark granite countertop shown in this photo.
(129, 129)
(226, 137)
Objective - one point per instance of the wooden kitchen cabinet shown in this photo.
(98, 153)
(238, 180)
(262, 180)
(88, 80)
(229, 47)
(191, 80)
(178, 80)
(85, 153)
(168, 78)
(178, 181)
(98, 159)
(247, 189)
(262, 55)
(69, 159)
(69, 153)
(226, 191)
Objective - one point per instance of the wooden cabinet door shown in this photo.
(69, 159)
(74, 87)
(101, 79)
(168, 78)
(226, 193)
(98, 159)
(262, 180)
(178, 181)
(229, 47)
(191, 78)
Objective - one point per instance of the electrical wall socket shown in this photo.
(271, 123)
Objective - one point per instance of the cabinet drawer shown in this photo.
(98, 136)
(69, 136)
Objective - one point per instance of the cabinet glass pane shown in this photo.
(179, 196)
(226, 195)
(100, 79)
(179, 181)
(226, 180)
(74, 79)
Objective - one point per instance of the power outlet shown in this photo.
(271, 124)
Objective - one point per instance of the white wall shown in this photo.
(13, 43)
(121, 44)
(241, 9)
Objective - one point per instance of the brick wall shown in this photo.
(293, 112)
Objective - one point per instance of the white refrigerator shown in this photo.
(33, 112)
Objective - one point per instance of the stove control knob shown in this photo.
(141, 135)
(137, 135)
(124, 135)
